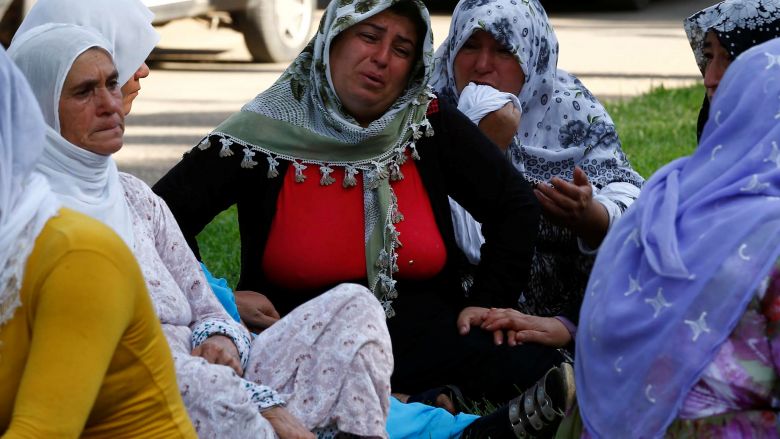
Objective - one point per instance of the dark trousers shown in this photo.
(430, 352)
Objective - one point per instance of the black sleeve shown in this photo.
(200, 186)
(488, 186)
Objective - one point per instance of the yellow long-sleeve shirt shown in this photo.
(84, 355)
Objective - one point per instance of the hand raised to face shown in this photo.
(501, 125)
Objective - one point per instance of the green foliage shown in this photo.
(220, 246)
(655, 129)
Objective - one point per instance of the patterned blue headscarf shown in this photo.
(674, 276)
(563, 124)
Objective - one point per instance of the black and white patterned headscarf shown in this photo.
(739, 25)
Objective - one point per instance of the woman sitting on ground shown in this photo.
(64, 275)
(681, 314)
(334, 350)
(499, 63)
(720, 33)
(346, 157)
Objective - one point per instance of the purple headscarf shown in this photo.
(675, 275)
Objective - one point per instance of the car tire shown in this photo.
(276, 30)
(632, 5)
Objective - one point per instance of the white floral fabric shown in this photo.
(219, 402)
(329, 360)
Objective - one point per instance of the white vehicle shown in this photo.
(274, 30)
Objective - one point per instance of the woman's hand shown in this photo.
(219, 349)
(257, 312)
(571, 205)
(470, 316)
(501, 125)
(523, 328)
(286, 425)
(475, 316)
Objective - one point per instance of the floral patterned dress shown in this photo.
(329, 361)
(736, 396)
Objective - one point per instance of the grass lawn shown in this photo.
(655, 129)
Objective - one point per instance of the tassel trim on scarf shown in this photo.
(384, 166)
(377, 169)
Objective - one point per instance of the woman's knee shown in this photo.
(351, 297)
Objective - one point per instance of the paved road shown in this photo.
(201, 75)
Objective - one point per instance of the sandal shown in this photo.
(536, 413)
(431, 397)
(539, 410)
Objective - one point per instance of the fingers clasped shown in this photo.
(523, 328)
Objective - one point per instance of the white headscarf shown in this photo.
(563, 124)
(26, 201)
(83, 181)
(126, 24)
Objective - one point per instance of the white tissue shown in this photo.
(476, 101)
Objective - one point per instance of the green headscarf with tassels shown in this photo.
(300, 119)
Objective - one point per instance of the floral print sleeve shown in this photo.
(180, 273)
(189, 314)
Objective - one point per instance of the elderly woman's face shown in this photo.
(90, 107)
(132, 87)
(485, 61)
(370, 64)
(718, 60)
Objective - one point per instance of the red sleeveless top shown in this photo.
(317, 236)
